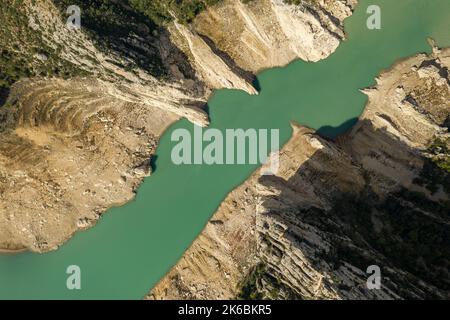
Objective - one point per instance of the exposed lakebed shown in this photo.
(133, 246)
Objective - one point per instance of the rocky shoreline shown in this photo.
(291, 236)
(70, 149)
(60, 134)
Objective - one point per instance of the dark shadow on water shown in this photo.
(257, 84)
(207, 109)
(153, 165)
(331, 132)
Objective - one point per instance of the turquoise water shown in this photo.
(133, 246)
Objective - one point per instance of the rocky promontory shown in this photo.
(376, 196)
(83, 119)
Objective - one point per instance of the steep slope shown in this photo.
(84, 108)
(73, 148)
(376, 196)
(264, 34)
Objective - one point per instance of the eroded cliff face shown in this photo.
(71, 149)
(262, 34)
(78, 136)
(335, 208)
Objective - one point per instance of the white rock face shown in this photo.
(307, 38)
(211, 67)
(264, 34)
(76, 147)
(303, 227)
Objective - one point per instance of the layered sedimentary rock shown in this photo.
(373, 197)
(265, 33)
(71, 148)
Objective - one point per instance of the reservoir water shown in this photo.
(133, 246)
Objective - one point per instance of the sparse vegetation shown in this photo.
(162, 11)
(440, 151)
(259, 284)
(117, 28)
(113, 25)
(409, 239)
(436, 170)
(249, 287)
(23, 51)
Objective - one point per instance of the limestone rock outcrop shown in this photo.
(370, 198)
(266, 33)
(74, 146)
